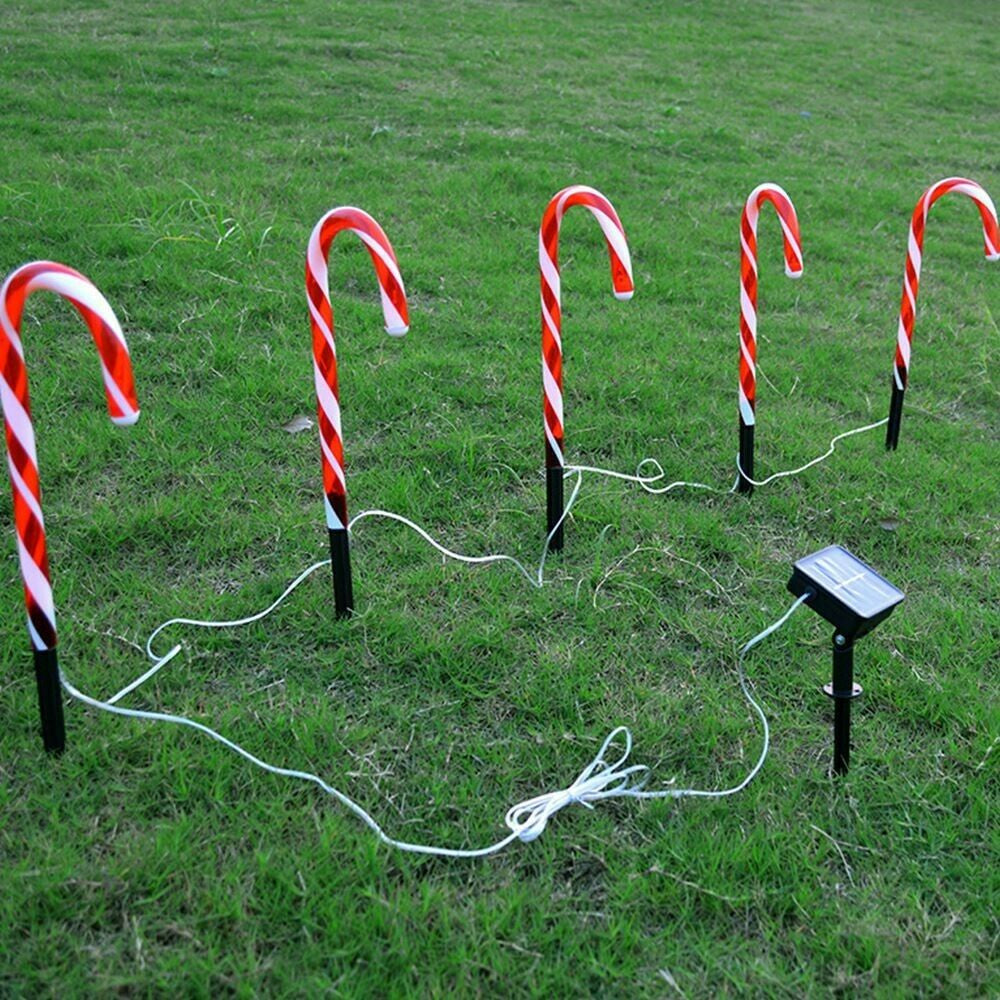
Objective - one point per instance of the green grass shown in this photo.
(180, 158)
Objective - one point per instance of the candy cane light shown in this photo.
(552, 354)
(748, 307)
(911, 281)
(22, 460)
(396, 313)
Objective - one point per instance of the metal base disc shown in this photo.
(828, 689)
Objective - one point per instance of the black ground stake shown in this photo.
(340, 561)
(554, 505)
(746, 458)
(50, 700)
(895, 417)
(843, 691)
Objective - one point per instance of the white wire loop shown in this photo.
(598, 781)
(526, 820)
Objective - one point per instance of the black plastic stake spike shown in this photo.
(895, 417)
(554, 505)
(340, 560)
(843, 691)
(746, 458)
(50, 700)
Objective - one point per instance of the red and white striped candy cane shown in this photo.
(911, 281)
(552, 356)
(22, 460)
(396, 313)
(748, 306)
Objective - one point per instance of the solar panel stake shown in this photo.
(854, 599)
(843, 691)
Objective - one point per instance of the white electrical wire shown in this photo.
(645, 481)
(304, 575)
(741, 673)
(534, 578)
(526, 820)
(815, 461)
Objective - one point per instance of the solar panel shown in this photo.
(845, 591)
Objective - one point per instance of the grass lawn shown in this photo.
(179, 158)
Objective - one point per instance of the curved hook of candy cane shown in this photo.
(551, 303)
(778, 197)
(22, 458)
(911, 281)
(396, 313)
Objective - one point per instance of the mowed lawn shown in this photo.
(179, 154)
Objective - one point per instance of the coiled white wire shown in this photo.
(599, 780)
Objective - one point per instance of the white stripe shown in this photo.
(967, 187)
(22, 488)
(986, 200)
(746, 357)
(111, 387)
(553, 329)
(896, 378)
(394, 324)
(614, 236)
(34, 580)
(18, 420)
(748, 253)
(552, 393)
(338, 470)
(316, 260)
(549, 271)
(321, 324)
(333, 522)
(910, 297)
(329, 403)
(746, 413)
(557, 451)
(913, 249)
(903, 342)
(36, 639)
(748, 311)
(8, 327)
(790, 237)
(751, 209)
(78, 290)
(568, 193)
(382, 252)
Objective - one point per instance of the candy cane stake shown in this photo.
(911, 281)
(552, 358)
(748, 307)
(396, 313)
(119, 387)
